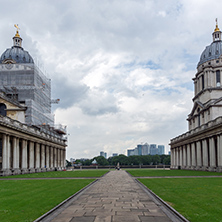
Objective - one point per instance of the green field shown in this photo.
(26, 200)
(159, 173)
(198, 199)
(62, 174)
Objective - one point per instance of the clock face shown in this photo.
(9, 65)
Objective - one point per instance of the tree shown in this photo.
(156, 159)
(87, 162)
(101, 160)
(166, 160)
(68, 163)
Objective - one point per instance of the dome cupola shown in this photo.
(214, 50)
(16, 54)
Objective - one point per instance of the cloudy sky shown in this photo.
(122, 69)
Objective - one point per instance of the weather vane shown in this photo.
(16, 26)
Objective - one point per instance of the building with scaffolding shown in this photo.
(23, 81)
(25, 102)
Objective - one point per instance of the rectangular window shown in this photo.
(202, 81)
(218, 77)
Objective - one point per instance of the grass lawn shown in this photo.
(62, 174)
(26, 200)
(198, 199)
(156, 173)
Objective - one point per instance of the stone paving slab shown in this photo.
(116, 197)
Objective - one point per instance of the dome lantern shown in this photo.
(17, 40)
(16, 54)
(217, 33)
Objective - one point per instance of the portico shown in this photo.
(201, 147)
(26, 149)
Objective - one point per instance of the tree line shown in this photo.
(126, 160)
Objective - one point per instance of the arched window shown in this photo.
(2, 109)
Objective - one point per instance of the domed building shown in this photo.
(201, 147)
(16, 54)
(22, 80)
(29, 140)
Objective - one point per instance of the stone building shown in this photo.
(201, 147)
(29, 139)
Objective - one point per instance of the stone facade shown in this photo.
(29, 140)
(26, 149)
(201, 147)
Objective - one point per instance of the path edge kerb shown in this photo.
(68, 199)
(166, 205)
(159, 200)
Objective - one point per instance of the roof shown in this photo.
(213, 51)
(17, 54)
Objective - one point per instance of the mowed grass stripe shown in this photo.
(198, 199)
(26, 200)
(62, 174)
(157, 173)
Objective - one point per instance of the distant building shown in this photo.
(153, 149)
(136, 151)
(103, 154)
(139, 149)
(115, 154)
(145, 149)
(161, 149)
(130, 152)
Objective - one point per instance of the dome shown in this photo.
(17, 54)
(213, 51)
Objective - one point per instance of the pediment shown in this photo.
(197, 105)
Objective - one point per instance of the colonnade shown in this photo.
(201, 154)
(21, 155)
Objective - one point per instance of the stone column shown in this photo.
(58, 152)
(181, 156)
(64, 158)
(205, 153)
(172, 157)
(219, 152)
(52, 164)
(55, 157)
(5, 152)
(193, 155)
(37, 157)
(43, 157)
(184, 157)
(15, 153)
(199, 157)
(24, 156)
(31, 156)
(47, 156)
(212, 153)
(188, 156)
(176, 158)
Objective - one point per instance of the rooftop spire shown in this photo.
(17, 31)
(217, 33)
(17, 40)
(216, 29)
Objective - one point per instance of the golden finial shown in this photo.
(216, 29)
(17, 31)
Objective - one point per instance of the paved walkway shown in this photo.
(115, 197)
